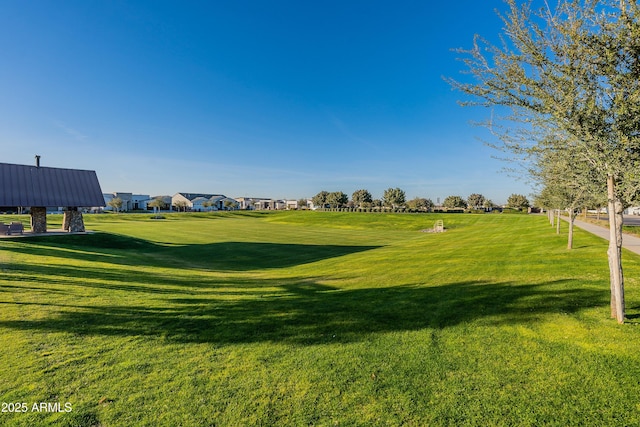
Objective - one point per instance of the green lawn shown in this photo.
(322, 319)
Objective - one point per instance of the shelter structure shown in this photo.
(39, 187)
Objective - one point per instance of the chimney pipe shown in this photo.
(37, 161)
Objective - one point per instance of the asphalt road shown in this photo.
(633, 220)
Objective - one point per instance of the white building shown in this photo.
(269, 204)
(139, 201)
(130, 201)
(199, 202)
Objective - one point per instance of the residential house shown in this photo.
(200, 204)
(246, 203)
(270, 204)
(291, 204)
(166, 200)
(203, 202)
(130, 201)
(230, 204)
(139, 201)
(125, 197)
(185, 200)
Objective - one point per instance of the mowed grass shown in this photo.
(321, 319)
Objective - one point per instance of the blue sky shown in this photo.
(277, 99)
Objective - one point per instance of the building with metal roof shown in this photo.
(39, 187)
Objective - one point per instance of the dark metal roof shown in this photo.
(22, 185)
(192, 196)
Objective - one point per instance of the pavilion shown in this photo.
(39, 187)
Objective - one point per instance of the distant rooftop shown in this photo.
(193, 196)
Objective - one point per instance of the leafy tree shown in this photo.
(376, 203)
(517, 201)
(337, 199)
(573, 72)
(454, 202)
(115, 203)
(488, 204)
(567, 184)
(302, 203)
(320, 199)
(547, 200)
(420, 204)
(360, 197)
(181, 205)
(157, 204)
(475, 201)
(393, 197)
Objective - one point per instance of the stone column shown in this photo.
(73, 221)
(38, 219)
(66, 220)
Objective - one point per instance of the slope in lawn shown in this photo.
(316, 319)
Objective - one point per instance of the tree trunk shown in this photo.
(572, 218)
(558, 222)
(551, 214)
(615, 251)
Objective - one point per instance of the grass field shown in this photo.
(316, 319)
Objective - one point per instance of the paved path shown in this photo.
(55, 232)
(628, 241)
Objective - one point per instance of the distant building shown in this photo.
(270, 204)
(130, 201)
(247, 203)
(199, 202)
(227, 204)
(125, 197)
(166, 200)
(139, 201)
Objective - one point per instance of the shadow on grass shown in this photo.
(225, 310)
(308, 313)
(222, 256)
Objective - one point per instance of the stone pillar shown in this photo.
(73, 221)
(66, 220)
(38, 219)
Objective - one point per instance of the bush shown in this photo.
(515, 211)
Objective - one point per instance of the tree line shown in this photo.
(395, 198)
(563, 88)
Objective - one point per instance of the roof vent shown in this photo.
(37, 161)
